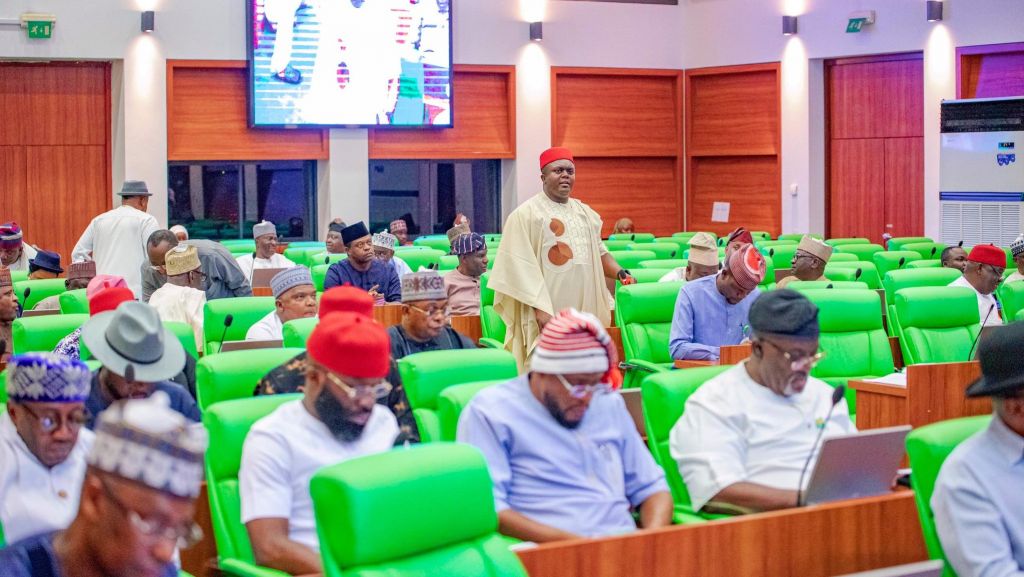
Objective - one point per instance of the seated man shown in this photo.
(182, 298)
(702, 262)
(361, 269)
(44, 264)
(463, 283)
(712, 312)
(14, 253)
(222, 276)
(623, 226)
(102, 298)
(333, 242)
(337, 419)
(42, 444)
(8, 312)
(137, 500)
(954, 257)
(979, 512)
(1017, 250)
(384, 251)
(736, 240)
(294, 298)
(982, 274)
(400, 229)
(563, 452)
(139, 357)
(79, 275)
(809, 261)
(745, 435)
(265, 255)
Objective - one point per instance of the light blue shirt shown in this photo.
(704, 321)
(979, 504)
(581, 480)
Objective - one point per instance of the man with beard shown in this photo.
(562, 450)
(746, 434)
(337, 419)
(954, 257)
(463, 283)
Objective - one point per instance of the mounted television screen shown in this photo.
(350, 63)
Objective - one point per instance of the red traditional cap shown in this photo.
(352, 345)
(346, 298)
(747, 266)
(575, 342)
(742, 235)
(552, 154)
(109, 299)
(988, 254)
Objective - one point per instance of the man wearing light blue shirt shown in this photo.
(562, 449)
(978, 503)
(711, 312)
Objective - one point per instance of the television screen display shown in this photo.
(350, 63)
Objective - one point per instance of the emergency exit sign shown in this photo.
(855, 25)
(39, 29)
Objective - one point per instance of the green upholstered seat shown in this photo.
(668, 263)
(836, 242)
(863, 252)
(74, 302)
(422, 258)
(763, 244)
(908, 278)
(937, 324)
(798, 236)
(645, 275)
(436, 242)
(244, 311)
(682, 242)
(234, 375)
(308, 244)
(664, 399)
(643, 312)
(631, 259)
(238, 250)
(40, 289)
(805, 285)
(924, 264)
(448, 262)
(897, 243)
(319, 274)
(686, 236)
(617, 244)
(843, 257)
(1019, 317)
(928, 447)
(41, 334)
(227, 424)
(633, 237)
(927, 250)
(326, 258)
(303, 255)
(354, 500)
(781, 256)
(662, 250)
(848, 271)
(452, 401)
(425, 375)
(296, 332)
(243, 242)
(1011, 296)
(760, 235)
(19, 275)
(768, 283)
(185, 336)
(894, 260)
(492, 328)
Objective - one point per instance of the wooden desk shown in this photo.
(468, 325)
(262, 291)
(819, 541)
(728, 355)
(934, 392)
(198, 559)
(388, 315)
(616, 334)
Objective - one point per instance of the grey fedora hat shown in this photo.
(134, 188)
(133, 335)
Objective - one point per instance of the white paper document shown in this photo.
(898, 379)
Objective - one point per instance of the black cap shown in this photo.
(352, 233)
(1001, 369)
(784, 312)
(336, 227)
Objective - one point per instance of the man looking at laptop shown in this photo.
(294, 298)
(746, 434)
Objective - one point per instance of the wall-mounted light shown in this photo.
(788, 25)
(536, 31)
(148, 21)
(934, 10)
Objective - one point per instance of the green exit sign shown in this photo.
(39, 29)
(855, 25)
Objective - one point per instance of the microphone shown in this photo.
(252, 271)
(327, 260)
(933, 251)
(227, 323)
(902, 261)
(856, 275)
(970, 355)
(837, 395)
(28, 291)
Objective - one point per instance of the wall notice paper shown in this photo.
(720, 212)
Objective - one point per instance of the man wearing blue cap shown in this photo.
(45, 264)
(463, 283)
(42, 443)
(294, 298)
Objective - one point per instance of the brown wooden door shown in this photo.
(875, 146)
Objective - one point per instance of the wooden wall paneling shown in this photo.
(904, 186)
(612, 186)
(207, 118)
(14, 185)
(857, 181)
(750, 184)
(54, 104)
(874, 98)
(485, 121)
(990, 71)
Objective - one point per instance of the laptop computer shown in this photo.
(860, 465)
(229, 346)
(923, 569)
(261, 276)
(634, 404)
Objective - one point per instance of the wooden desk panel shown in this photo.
(823, 540)
(934, 392)
(196, 560)
(616, 334)
(388, 315)
(262, 291)
(728, 355)
(468, 325)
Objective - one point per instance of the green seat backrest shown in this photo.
(682, 242)
(304, 255)
(887, 261)
(234, 375)
(805, 285)
(449, 262)
(633, 237)
(185, 336)
(425, 375)
(847, 271)
(768, 283)
(632, 258)
(845, 241)
(245, 312)
(798, 236)
(863, 252)
(351, 499)
(927, 250)
(668, 263)
(686, 236)
(760, 235)
(643, 312)
(325, 257)
(645, 275)
(937, 324)
(74, 302)
(763, 244)
(308, 244)
(435, 242)
(319, 274)
(297, 331)
(422, 258)
(664, 399)
(662, 250)
(491, 325)
(843, 257)
(897, 243)
(1011, 296)
(924, 264)
(908, 278)
(19, 275)
(227, 424)
(41, 334)
(617, 244)
(238, 250)
(780, 256)
(243, 242)
(452, 401)
(41, 289)
(928, 447)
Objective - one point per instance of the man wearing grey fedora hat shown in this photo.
(139, 356)
(978, 503)
(116, 239)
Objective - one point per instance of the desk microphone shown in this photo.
(903, 260)
(28, 291)
(24, 301)
(252, 271)
(857, 275)
(837, 395)
(327, 260)
(970, 356)
(933, 251)
(227, 323)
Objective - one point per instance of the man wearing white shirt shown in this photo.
(14, 253)
(265, 256)
(43, 444)
(181, 299)
(745, 435)
(384, 251)
(116, 239)
(294, 298)
(982, 274)
(1017, 250)
(337, 419)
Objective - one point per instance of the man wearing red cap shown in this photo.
(562, 450)
(982, 274)
(337, 419)
(736, 240)
(551, 258)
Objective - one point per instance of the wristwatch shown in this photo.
(623, 273)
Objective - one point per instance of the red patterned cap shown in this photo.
(747, 266)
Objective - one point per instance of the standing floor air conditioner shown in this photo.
(981, 179)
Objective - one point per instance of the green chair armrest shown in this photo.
(487, 343)
(681, 515)
(636, 370)
(239, 568)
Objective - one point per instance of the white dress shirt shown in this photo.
(183, 305)
(116, 240)
(248, 263)
(269, 328)
(33, 498)
(1014, 277)
(986, 303)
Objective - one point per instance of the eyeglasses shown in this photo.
(378, 391)
(582, 391)
(446, 311)
(50, 423)
(184, 535)
(798, 361)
